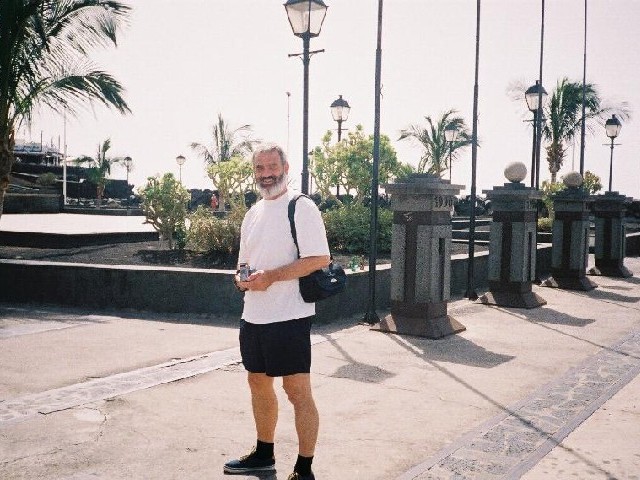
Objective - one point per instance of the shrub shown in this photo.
(164, 203)
(47, 179)
(348, 229)
(545, 224)
(208, 233)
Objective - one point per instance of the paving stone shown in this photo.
(22, 408)
(535, 425)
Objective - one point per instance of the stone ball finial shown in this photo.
(515, 172)
(573, 179)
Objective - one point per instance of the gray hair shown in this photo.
(269, 147)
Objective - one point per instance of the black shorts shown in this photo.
(277, 349)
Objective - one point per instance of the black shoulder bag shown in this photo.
(322, 283)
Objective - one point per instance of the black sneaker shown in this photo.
(297, 476)
(251, 464)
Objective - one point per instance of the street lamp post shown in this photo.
(306, 18)
(612, 127)
(340, 112)
(371, 316)
(535, 97)
(128, 164)
(180, 160)
(450, 135)
(471, 290)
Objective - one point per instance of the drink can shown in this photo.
(244, 271)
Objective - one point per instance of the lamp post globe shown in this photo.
(340, 112)
(532, 94)
(535, 96)
(612, 126)
(450, 135)
(306, 18)
(180, 160)
(340, 109)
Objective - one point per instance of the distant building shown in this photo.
(37, 152)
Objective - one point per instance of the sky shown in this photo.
(184, 61)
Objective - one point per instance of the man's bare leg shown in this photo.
(298, 388)
(265, 406)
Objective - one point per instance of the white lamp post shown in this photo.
(180, 161)
(450, 135)
(128, 164)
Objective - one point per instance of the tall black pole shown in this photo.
(538, 117)
(305, 117)
(533, 151)
(471, 290)
(584, 93)
(611, 165)
(371, 317)
(339, 138)
(450, 149)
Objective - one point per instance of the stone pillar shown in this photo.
(571, 224)
(609, 210)
(421, 257)
(513, 243)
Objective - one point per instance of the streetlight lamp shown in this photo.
(612, 126)
(535, 96)
(306, 18)
(340, 112)
(450, 135)
(180, 160)
(128, 164)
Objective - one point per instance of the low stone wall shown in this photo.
(32, 203)
(160, 289)
(633, 244)
(187, 290)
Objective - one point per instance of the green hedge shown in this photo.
(348, 229)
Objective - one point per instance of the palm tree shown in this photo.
(227, 143)
(564, 115)
(44, 46)
(435, 148)
(99, 168)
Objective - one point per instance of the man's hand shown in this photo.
(258, 280)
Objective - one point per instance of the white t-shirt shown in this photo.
(266, 243)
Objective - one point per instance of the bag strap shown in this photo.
(292, 223)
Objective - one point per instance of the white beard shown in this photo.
(274, 189)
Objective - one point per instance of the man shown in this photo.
(276, 323)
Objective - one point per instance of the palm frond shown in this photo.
(40, 54)
(431, 138)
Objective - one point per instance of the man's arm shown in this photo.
(262, 279)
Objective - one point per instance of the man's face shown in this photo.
(270, 173)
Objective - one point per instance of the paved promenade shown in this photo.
(549, 393)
